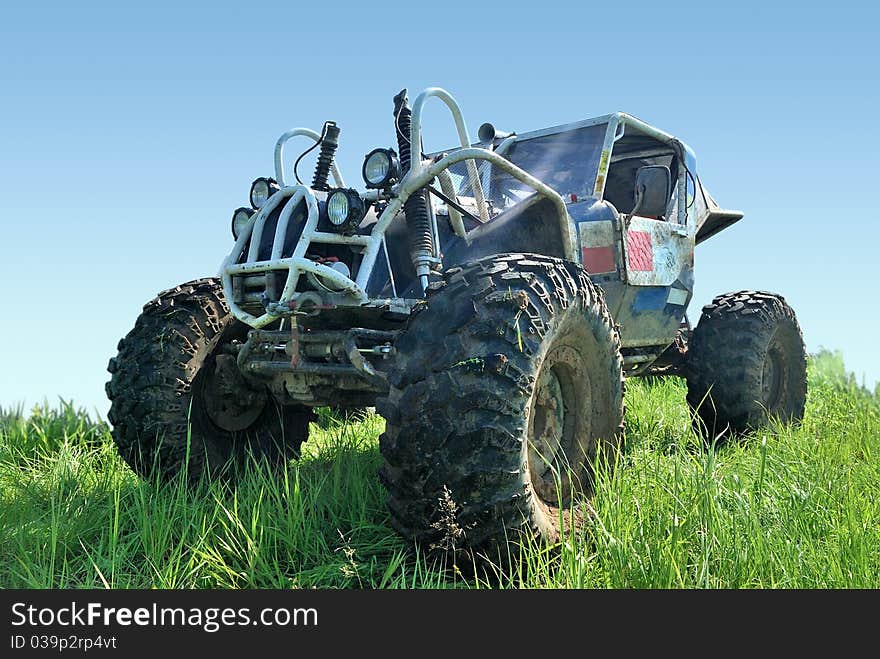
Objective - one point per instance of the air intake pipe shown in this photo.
(488, 134)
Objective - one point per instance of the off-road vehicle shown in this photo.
(488, 301)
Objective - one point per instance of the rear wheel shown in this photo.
(178, 399)
(746, 364)
(504, 387)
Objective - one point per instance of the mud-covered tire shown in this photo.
(746, 364)
(472, 399)
(164, 404)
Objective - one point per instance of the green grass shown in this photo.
(787, 508)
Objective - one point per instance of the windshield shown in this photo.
(566, 161)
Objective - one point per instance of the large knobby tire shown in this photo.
(504, 386)
(177, 398)
(746, 364)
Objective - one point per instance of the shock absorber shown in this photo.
(325, 157)
(415, 209)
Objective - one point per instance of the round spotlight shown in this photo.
(240, 219)
(261, 190)
(345, 209)
(381, 168)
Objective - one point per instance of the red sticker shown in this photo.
(598, 259)
(639, 252)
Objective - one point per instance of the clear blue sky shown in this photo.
(128, 136)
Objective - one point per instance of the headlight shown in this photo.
(345, 209)
(240, 219)
(261, 190)
(381, 168)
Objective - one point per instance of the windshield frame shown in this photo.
(604, 147)
(617, 123)
(623, 123)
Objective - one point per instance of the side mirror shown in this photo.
(653, 183)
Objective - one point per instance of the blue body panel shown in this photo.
(647, 315)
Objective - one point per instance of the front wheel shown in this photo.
(178, 399)
(746, 364)
(504, 387)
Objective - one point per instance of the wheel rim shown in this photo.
(227, 400)
(559, 414)
(773, 377)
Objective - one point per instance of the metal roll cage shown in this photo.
(420, 174)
